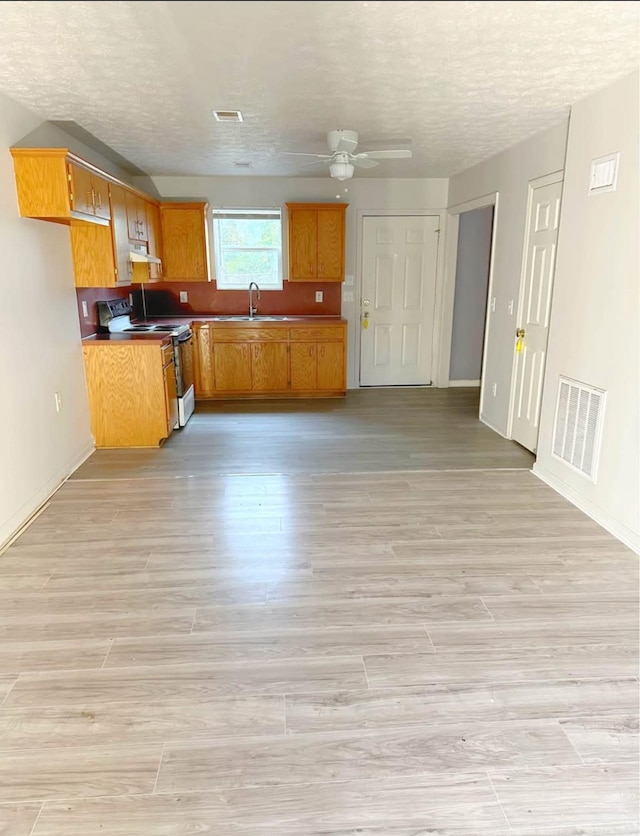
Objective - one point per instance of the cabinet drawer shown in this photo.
(326, 332)
(228, 335)
(167, 354)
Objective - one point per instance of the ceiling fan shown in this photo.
(343, 158)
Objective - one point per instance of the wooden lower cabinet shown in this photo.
(269, 367)
(132, 392)
(276, 360)
(232, 367)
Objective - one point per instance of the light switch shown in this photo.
(184, 296)
(510, 307)
(319, 296)
(493, 304)
(347, 296)
(348, 279)
(85, 310)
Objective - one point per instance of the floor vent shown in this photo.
(577, 430)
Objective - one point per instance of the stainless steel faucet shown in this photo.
(252, 309)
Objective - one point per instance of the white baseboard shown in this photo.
(464, 383)
(619, 530)
(17, 521)
(493, 426)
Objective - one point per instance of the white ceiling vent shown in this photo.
(578, 426)
(227, 116)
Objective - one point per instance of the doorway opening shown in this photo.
(475, 232)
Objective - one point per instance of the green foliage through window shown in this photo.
(248, 249)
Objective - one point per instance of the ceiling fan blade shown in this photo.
(303, 154)
(386, 155)
(363, 162)
(318, 162)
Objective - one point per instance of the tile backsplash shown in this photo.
(163, 299)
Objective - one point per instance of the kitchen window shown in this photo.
(247, 245)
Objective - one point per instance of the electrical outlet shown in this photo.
(347, 296)
(85, 310)
(493, 304)
(319, 296)
(494, 389)
(348, 279)
(58, 398)
(184, 296)
(131, 299)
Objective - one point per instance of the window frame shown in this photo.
(264, 213)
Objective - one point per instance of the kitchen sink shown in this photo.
(250, 318)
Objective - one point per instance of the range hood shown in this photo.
(142, 257)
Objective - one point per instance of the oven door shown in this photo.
(184, 352)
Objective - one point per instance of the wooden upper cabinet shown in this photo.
(303, 243)
(185, 242)
(316, 241)
(136, 217)
(89, 193)
(120, 234)
(54, 185)
(154, 238)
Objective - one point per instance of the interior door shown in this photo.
(534, 312)
(399, 260)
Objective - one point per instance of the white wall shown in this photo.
(472, 280)
(364, 194)
(40, 348)
(508, 174)
(595, 319)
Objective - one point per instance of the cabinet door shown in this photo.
(92, 254)
(171, 396)
(133, 223)
(331, 374)
(120, 234)
(141, 211)
(203, 363)
(100, 197)
(303, 244)
(184, 242)
(232, 367)
(269, 367)
(331, 244)
(154, 238)
(303, 367)
(81, 190)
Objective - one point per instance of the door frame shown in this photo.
(449, 286)
(532, 185)
(441, 214)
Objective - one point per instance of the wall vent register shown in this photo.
(578, 426)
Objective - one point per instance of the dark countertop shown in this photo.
(220, 319)
(151, 337)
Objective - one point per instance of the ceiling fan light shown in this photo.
(341, 171)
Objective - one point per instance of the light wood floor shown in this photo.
(369, 430)
(397, 653)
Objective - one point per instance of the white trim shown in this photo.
(537, 183)
(492, 426)
(454, 383)
(222, 283)
(626, 535)
(10, 529)
(448, 290)
(361, 214)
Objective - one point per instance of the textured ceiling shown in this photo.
(462, 80)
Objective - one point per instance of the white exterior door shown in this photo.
(534, 312)
(399, 258)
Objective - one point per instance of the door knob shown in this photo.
(520, 333)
